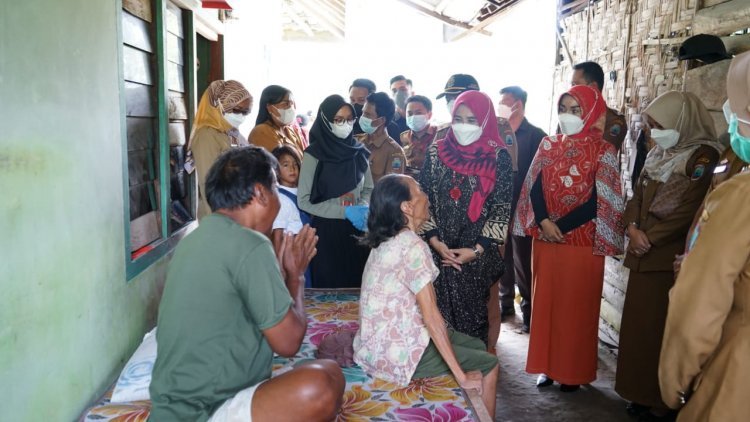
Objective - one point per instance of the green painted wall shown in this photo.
(68, 318)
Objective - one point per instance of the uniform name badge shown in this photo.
(396, 164)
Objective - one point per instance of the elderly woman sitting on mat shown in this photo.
(402, 335)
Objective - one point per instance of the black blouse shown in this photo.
(569, 222)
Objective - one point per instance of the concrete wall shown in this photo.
(68, 318)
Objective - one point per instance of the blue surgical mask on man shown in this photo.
(416, 122)
(366, 124)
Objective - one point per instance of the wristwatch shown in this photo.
(477, 252)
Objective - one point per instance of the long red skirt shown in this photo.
(565, 312)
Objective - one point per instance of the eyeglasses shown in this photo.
(340, 121)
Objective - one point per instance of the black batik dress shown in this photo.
(462, 295)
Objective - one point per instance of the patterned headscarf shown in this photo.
(219, 97)
(225, 95)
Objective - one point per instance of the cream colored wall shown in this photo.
(68, 317)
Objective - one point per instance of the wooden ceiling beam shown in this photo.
(440, 8)
(445, 19)
(486, 22)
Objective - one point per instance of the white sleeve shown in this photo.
(288, 217)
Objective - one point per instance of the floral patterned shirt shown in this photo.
(392, 335)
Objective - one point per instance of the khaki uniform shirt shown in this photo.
(707, 335)
(667, 235)
(415, 148)
(386, 156)
(206, 146)
(729, 166)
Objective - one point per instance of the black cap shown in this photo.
(459, 83)
(703, 47)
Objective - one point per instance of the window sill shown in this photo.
(159, 249)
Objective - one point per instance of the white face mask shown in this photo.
(570, 124)
(450, 106)
(665, 138)
(342, 130)
(466, 133)
(504, 112)
(416, 122)
(286, 116)
(234, 119)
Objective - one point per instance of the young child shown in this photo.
(290, 218)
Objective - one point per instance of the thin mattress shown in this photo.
(365, 399)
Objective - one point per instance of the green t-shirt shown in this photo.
(223, 288)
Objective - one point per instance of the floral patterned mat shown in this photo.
(365, 399)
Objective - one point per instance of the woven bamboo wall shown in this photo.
(636, 39)
(639, 40)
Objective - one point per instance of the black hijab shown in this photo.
(342, 163)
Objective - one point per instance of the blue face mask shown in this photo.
(740, 144)
(366, 124)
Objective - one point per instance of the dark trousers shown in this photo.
(518, 272)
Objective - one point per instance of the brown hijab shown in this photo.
(685, 113)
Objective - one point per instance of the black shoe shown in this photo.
(525, 329)
(635, 409)
(544, 381)
(569, 388)
(650, 417)
(507, 312)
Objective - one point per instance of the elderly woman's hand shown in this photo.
(471, 381)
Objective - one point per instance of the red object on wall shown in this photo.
(216, 4)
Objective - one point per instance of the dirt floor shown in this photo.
(519, 400)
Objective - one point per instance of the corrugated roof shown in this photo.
(326, 19)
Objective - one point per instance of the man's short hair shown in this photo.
(517, 92)
(398, 78)
(408, 82)
(384, 105)
(592, 72)
(232, 178)
(422, 100)
(363, 83)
